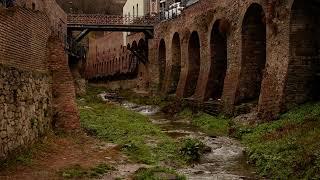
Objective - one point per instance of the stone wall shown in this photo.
(25, 113)
(31, 86)
(25, 83)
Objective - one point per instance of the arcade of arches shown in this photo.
(235, 62)
(262, 54)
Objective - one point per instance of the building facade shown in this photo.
(134, 9)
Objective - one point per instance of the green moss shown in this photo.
(157, 173)
(288, 147)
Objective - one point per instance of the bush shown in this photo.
(192, 149)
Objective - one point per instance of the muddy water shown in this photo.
(226, 160)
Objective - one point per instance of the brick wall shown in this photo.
(30, 89)
(107, 55)
(57, 18)
(24, 35)
(110, 62)
(257, 55)
(264, 58)
(65, 112)
(25, 83)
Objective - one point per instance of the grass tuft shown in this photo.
(288, 147)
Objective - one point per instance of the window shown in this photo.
(137, 10)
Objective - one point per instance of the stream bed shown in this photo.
(226, 160)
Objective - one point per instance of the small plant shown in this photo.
(192, 149)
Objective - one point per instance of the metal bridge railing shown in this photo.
(7, 3)
(101, 19)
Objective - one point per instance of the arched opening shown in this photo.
(303, 76)
(162, 62)
(253, 55)
(218, 69)
(176, 64)
(193, 64)
(143, 49)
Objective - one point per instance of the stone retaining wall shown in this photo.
(25, 111)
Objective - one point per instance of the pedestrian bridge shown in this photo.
(102, 22)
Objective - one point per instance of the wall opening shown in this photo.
(193, 64)
(218, 69)
(162, 62)
(253, 55)
(303, 76)
(176, 64)
(143, 48)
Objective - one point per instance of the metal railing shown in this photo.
(74, 48)
(7, 3)
(101, 19)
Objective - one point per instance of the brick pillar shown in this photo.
(66, 115)
(204, 66)
(184, 64)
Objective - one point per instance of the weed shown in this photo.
(192, 149)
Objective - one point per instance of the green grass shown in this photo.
(288, 148)
(144, 100)
(157, 173)
(138, 137)
(212, 125)
(77, 171)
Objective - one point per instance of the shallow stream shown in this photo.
(226, 160)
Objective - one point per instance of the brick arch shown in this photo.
(162, 59)
(141, 44)
(134, 45)
(193, 64)
(303, 79)
(219, 60)
(175, 63)
(253, 54)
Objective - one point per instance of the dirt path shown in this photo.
(60, 152)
